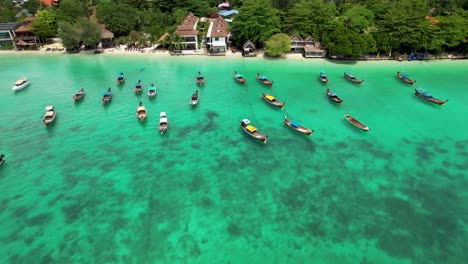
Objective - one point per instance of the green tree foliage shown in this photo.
(70, 35)
(70, 10)
(310, 17)
(31, 6)
(358, 18)
(118, 18)
(7, 11)
(349, 43)
(278, 44)
(90, 32)
(454, 28)
(256, 21)
(45, 24)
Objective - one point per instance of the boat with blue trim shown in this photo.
(152, 91)
(120, 78)
(200, 79)
(298, 127)
(334, 97)
(405, 77)
(263, 79)
(422, 93)
(107, 96)
(138, 87)
(350, 77)
(239, 78)
(323, 76)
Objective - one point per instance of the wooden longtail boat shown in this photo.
(264, 80)
(194, 99)
(200, 79)
(323, 76)
(138, 87)
(80, 94)
(356, 123)
(141, 112)
(420, 92)
(252, 131)
(405, 77)
(120, 78)
(239, 78)
(107, 96)
(152, 91)
(333, 97)
(49, 115)
(163, 124)
(272, 100)
(298, 127)
(349, 76)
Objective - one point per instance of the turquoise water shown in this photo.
(98, 186)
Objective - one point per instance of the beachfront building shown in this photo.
(106, 37)
(189, 34)
(25, 39)
(216, 37)
(308, 47)
(297, 44)
(248, 49)
(7, 35)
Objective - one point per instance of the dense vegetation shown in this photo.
(350, 28)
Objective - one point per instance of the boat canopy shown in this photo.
(263, 78)
(270, 98)
(424, 92)
(107, 93)
(49, 108)
(239, 75)
(49, 113)
(295, 124)
(162, 114)
(251, 129)
(333, 94)
(163, 120)
(20, 81)
(245, 121)
(152, 88)
(405, 75)
(322, 72)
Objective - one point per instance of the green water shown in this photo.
(98, 186)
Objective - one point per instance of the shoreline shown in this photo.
(228, 54)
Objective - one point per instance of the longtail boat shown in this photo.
(298, 127)
(239, 78)
(163, 124)
(194, 99)
(356, 123)
(263, 79)
(272, 100)
(200, 79)
(152, 91)
(138, 87)
(350, 77)
(107, 96)
(405, 77)
(120, 78)
(252, 131)
(333, 97)
(49, 115)
(323, 76)
(141, 112)
(420, 92)
(80, 94)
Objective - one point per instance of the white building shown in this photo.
(216, 38)
(188, 31)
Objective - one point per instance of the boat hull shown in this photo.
(353, 79)
(77, 97)
(324, 80)
(240, 80)
(404, 79)
(275, 103)
(49, 120)
(20, 87)
(299, 129)
(256, 135)
(106, 99)
(335, 99)
(356, 123)
(151, 94)
(432, 99)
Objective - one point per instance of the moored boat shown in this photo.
(422, 93)
(356, 123)
(138, 87)
(194, 98)
(323, 76)
(107, 96)
(272, 100)
(350, 77)
(2, 159)
(252, 131)
(163, 124)
(263, 79)
(298, 127)
(239, 78)
(49, 115)
(405, 77)
(141, 112)
(200, 79)
(334, 97)
(120, 78)
(20, 84)
(152, 91)
(80, 94)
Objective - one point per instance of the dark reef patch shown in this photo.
(234, 230)
(72, 212)
(40, 219)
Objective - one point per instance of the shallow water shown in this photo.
(98, 186)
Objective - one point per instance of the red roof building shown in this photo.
(188, 31)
